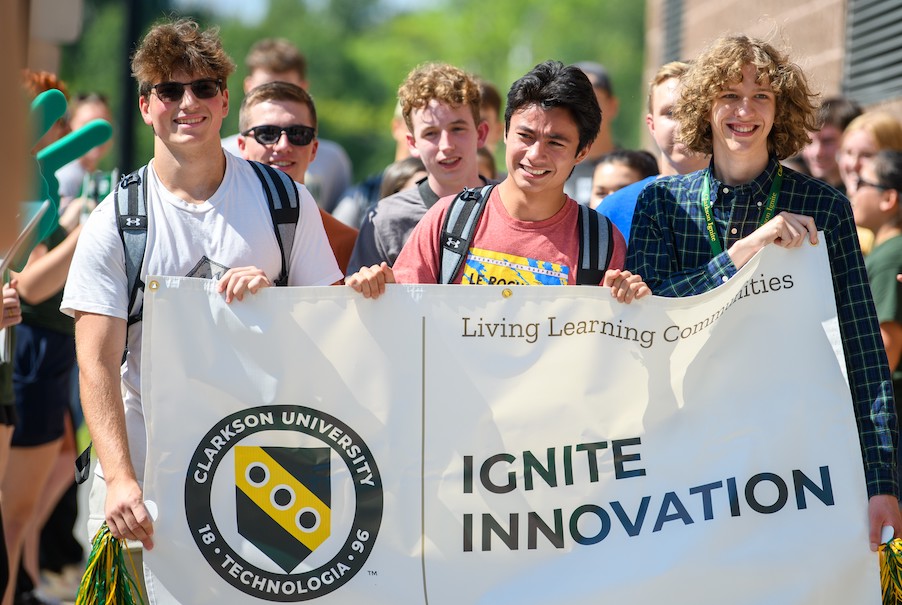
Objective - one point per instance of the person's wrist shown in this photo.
(739, 253)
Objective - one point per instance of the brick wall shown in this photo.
(811, 31)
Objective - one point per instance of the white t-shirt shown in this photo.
(231, 229)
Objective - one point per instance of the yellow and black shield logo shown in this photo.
(283, 500)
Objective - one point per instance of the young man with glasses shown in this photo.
(208, 217)
(693, 232)
(278, 60)
(278, 128)
(877, 206)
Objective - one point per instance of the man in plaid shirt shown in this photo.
(692, 232)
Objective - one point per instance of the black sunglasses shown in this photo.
(267, 134)
(171, 92)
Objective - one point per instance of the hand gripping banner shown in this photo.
(447, 445)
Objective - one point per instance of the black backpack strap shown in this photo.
(596, 246)
(461, 219)
(131, 221)
(283, 201)
(83, 465)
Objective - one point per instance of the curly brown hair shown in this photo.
(442, 82)
(179, 46)
(36, 82)
(720, 65)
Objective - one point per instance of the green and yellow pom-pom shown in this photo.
(107, 580)
(891, 571)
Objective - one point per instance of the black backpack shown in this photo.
(282, 199)
(462, 217)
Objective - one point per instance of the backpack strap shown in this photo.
(131, 221)
(283, 201)
(596, 246)
(461, 218)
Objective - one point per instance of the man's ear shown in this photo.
(890, 203)
(225, 102)
(412, 146)
(144, 108)
(482, 132)
(314, 146)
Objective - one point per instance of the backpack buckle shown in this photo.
(128, 179)
(469, 194)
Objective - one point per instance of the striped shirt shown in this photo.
(670, 249)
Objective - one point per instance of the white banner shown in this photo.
(449, 445)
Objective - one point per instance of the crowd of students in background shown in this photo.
(449, 129)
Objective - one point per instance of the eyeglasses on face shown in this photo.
(171, 92)
(864, 183)
(267, 134)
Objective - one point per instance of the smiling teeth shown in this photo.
(743, 128)
(281, 164)
(535, 172)
(190, 120)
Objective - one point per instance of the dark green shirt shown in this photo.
(883, 264)
(47, 314)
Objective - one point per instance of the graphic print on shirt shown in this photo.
(498, 268)
(207, 269)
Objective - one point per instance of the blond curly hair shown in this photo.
(441, 82)
(721, 65)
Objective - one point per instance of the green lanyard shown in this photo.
(769, 210)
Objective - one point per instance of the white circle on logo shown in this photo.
(278, 491)
(249, 474)
(305, 525)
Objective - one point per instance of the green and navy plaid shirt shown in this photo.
(670, 249)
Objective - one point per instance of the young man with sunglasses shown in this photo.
(749, 106)
(208, 217)
(278, 127)
(278, 60)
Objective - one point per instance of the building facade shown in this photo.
(847, 47)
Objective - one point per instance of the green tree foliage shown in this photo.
(97, 61)
(359, 52)
(102, 39)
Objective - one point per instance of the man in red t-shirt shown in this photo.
(528, 231)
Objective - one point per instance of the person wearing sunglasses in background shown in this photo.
(208, 217)
(278, 127)
(279, 60)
